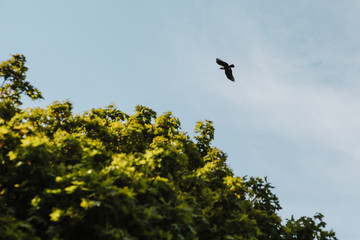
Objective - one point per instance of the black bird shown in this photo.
(227, 68)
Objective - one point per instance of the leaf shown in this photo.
(56, 214)
(70, 189)
(35, 201)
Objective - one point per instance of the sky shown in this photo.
(292, 114)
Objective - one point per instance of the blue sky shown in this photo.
(292, 115)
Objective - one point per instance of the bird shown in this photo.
(227, 68)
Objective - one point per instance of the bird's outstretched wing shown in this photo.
(221, 62)
(228, 73)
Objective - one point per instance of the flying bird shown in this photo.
(227, 68)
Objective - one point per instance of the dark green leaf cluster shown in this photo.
(13, 73)
(109, 175)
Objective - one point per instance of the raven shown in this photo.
(227, 68)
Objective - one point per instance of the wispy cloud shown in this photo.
(297, 104)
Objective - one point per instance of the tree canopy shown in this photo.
(106, 174)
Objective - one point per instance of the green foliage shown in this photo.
(14, 85)
(109, 175)
(307, 228)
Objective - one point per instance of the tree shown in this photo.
(109, 175)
